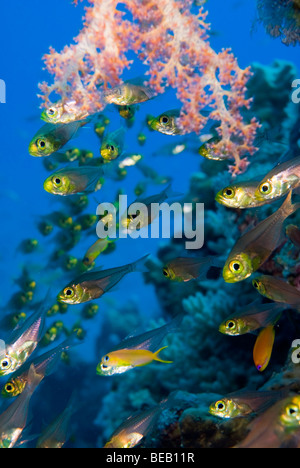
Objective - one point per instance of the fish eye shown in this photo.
(256, 284)
(41, 143)
(5, 364)
(292, 410)
(51, 111)
(265, 188)
(9, 387)
(106, 358)
(228, 192)
(235, 267)
(164, 119)
(69, 292)
(230, 324)
(57, 181)
(220, 405)
(166, 272)
(110, 147)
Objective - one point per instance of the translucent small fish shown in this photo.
(206, 150)
(240, 195)
(44, 365)
(51, 138)
(95, 283)
(277, 290)
(95, 250)
(277, 427)
(129, 93)
(263, 347)
(166, 123)
(22, 342)
(279, 181)
(113, 144)
(127, 112)
(14, 418)
(52, 333)
(242, 403)
(27, 246)
(135, 428)
(63, 113)
(75, 180)
(255, 247)
(187, 268)
(252, 318)
(56, 434)
(137, 350)
(147, 209)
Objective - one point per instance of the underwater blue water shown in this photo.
(27, 31)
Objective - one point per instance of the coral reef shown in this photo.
(208, 365)
(173, 43)
(281, 18)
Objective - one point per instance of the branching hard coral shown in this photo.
(173, 43)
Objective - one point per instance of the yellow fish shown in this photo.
(255, 247)
(95, 283)
(279, 181)
(73, 180)
(244, 402)
(113, 144)
(135, 428)
(166, 123)
(263, 347)
(277, 290)
(240, 195)
(278, 427)
(251, 318)
(188, 268)
(52, 137)
(137, 351)
(13, 420)
(128, 93)
(95, 250)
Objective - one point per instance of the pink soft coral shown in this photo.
(173, 42)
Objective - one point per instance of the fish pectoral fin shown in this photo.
(157, 358)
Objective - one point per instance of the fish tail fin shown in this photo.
(140, 265)
(34, 379)
(157, 358)
(288, 206)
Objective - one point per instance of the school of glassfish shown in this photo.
(249, 253)
(275, 414)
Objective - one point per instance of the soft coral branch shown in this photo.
(173, 42)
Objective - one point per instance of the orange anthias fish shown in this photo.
(137, 351)
(263, 348)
